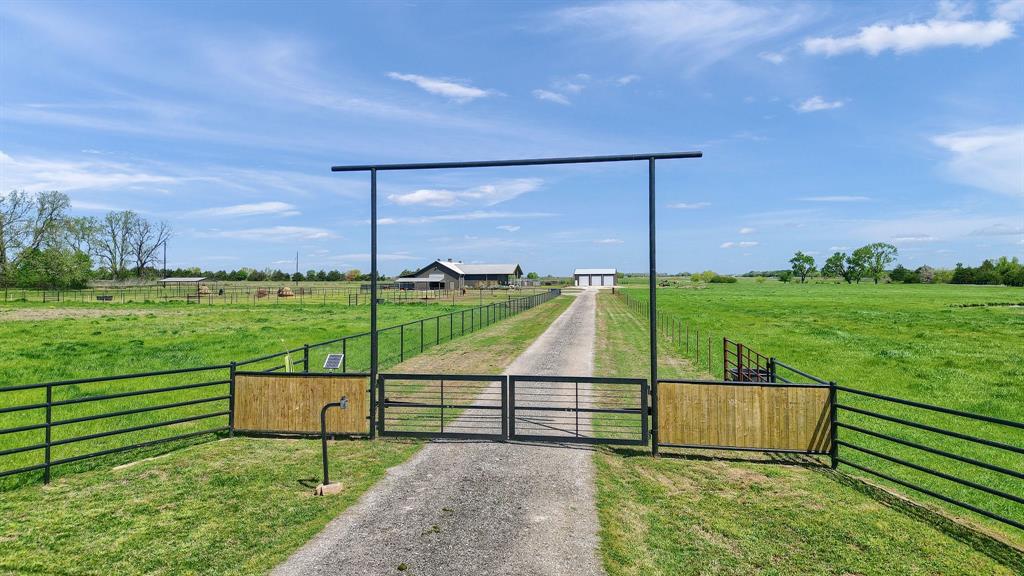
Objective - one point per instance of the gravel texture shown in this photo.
(478, 508)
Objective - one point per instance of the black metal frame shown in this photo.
(385, 403)
(652, 237)
(641, 410)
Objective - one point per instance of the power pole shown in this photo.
(165, 259)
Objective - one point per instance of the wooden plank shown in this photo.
(291, 403)
(769, 417)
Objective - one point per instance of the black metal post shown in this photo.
(323, 438)
(49, 420)
(305, 358)
(231, 400)
(373, 288)
(653, 322)
(833, 451)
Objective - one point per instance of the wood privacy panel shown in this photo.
(291, 403)
(768, 417)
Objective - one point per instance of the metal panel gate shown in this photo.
(590, 410)
(443, 406)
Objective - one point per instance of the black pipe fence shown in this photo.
(60, 423)
(684, 337)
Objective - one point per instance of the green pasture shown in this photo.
(937, 344)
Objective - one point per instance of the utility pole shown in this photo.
(165, 259)
(296, 261)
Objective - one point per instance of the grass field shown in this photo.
(911, 341)
(237, 506)
(69, 341)
(716, 513)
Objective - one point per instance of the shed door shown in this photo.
(609, 280)
(584, 280)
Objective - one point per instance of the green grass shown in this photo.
(910, 341)
(716, 513)
(237, 506)
(56, 342)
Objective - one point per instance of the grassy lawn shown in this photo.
(910, 341)
(689, 513)
(236, 506)
(52, 342)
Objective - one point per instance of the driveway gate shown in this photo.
(534, 408)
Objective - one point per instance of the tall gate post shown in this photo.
(373, 293)
(653, 319)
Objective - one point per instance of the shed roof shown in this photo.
(594, 271)
(466, 269)
(183, 280)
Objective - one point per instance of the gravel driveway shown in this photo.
(478, 508)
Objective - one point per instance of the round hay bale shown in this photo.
(285, 292)
(204, 290)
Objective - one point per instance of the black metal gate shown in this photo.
(582, 409)
(443, 406)
(591, 410)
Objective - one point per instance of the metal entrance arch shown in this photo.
(651, 159)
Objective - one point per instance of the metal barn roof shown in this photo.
(594, 271)
(183, 280)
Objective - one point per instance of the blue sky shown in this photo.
(824, 127)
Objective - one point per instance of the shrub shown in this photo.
(719, 279)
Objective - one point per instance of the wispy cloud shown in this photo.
(817, 104)
(255, 209)
(747, 244)
(999, 229)
(773, 57)
(747, 230)
(39, 174)
(987, 158)
(549, 96)
(487, 194)
(464, 216)
(835, 198)
(946, 29)
(509, 228)
(443, 87)
(627, 79)
(273, 234)
(689, 205)
(609, 241)
(914, 239)
(707, 31)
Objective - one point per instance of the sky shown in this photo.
(824, 126)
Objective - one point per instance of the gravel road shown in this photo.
(478, 508)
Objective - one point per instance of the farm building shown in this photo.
(452, 275)
(594, 277)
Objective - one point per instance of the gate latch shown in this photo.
(343, 403)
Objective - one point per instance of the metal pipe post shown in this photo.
(373, 292)
(653, 322)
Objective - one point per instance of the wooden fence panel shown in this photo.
(755, 416)
(291, 403)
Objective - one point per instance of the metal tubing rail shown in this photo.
(521, 162)
(112, 378)
(744, 383)
(800, 372)
(933, 408)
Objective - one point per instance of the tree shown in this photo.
(353, 274)
(880, 256)
(113, 242)
(533, 276)
(334, 276)
(857, 263)
(803, 265)
(836, 267)
(144, 239)
(785, 276)
(27, 222)
(900, 273)
(298, 277)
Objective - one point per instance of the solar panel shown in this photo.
(333, 361)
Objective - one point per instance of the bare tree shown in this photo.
(144, 240)
(113, 241)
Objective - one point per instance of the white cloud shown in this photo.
(747, 230)
(748, 244)
(947, 28)
(572, 85)
(464, 216)
(443, 87)
(509, 228)
(817, 103)
(39, 175)
(999, 229)
(838, 248)
(835, 198)
(914, 239)
(550, 96)
(707, 31)
(630, 78)
(689, 205)
(487, 194)
(988, 158)
(274, 234)
(256, 209)
(609, 241)
(773, 57)
(1011, 10)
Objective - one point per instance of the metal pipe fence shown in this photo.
(42, 419)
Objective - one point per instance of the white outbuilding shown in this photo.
(594, 277)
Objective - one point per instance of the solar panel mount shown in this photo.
(333, 361)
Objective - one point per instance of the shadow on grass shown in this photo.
(773, 458)
(977, 538)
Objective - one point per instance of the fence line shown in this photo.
(399, 342)
(686, 338)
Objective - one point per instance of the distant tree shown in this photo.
(28, 222)
(279, 276)
(114, 242)
(803, 265)
(900, 273)
(334, 276)
(144, 240)
(321, 276)
(785, 276)
(353, 274)
(881, 256)
(533, 276)
(836, 267)
(925, 274)
(857, 263)
(298, 277)
(310, 275)
(406, 273)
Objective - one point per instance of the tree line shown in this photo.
(272, 275)
(43, 246)
(873, 261)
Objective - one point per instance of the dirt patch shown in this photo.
(35, 314)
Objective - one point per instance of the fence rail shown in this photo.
(203, 394)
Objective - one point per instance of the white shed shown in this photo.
(594, 277)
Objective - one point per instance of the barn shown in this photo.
(451, 275)
(594, 277)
